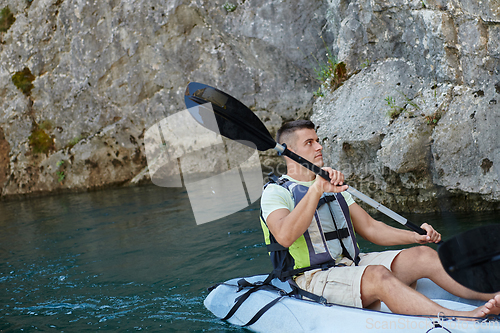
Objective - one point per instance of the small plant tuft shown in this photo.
(60, 173)
(394, 109)
(7, 19)
(60, 176)
(331, 73)
(324, 70)
(74, 141)
(229, 7)
(409, 101)
(319, 93)
(434, 118)
(22, 80)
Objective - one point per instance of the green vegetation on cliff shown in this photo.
(22, 80)
(40, 141)
(6, 19)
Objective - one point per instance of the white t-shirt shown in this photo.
(277, 197)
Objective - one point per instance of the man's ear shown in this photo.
(290, 147)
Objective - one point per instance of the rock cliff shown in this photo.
(82, 80)
(415, 125)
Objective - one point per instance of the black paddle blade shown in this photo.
(473, 258)
(233, 119)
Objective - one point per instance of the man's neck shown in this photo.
(301, 174)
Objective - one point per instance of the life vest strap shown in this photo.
(287, 275)
(337, 234)
(275, 247)
(325, 199)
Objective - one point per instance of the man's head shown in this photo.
(286, 133)
(300, 137)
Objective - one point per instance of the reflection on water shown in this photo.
(131, 259)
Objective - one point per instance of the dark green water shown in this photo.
(131, 259)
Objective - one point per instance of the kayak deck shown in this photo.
(294, 315)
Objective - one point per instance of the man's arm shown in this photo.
(288, 226)
(382, 234)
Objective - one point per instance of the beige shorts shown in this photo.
(342, 285)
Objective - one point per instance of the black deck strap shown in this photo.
(337, 234)
(262, 311)
(296, 292)
(213, 287)
(242, 283)
(300, 293)
(240, 301)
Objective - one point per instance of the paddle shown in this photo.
(471, 258)
(237, 122)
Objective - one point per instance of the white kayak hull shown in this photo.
(293, 315)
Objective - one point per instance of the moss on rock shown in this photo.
(22, 80)
(40, 141)
(7, 19)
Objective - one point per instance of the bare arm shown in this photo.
(288, 226)
(382, 234)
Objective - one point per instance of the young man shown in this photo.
(386, 276)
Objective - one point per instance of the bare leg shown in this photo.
(423, 262)
(379, 284)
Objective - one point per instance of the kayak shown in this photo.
(291, 314)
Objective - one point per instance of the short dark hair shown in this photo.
(290, 127)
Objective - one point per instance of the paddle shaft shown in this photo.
(282, 150)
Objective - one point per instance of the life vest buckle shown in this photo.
(326, 266)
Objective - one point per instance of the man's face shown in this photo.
(306, 144)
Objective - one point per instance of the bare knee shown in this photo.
(417, 255)
(424, 256)
(377, 274)
(415, 263)
(376, 278)
(425, 251)
(375, 283)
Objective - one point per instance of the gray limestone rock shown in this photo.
(439, 153)
(105, 71)
(415, 125)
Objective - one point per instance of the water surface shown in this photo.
(132, 259)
